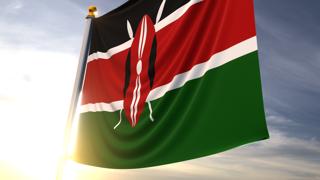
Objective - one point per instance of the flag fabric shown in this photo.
(168, 81)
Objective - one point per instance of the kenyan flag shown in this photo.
(168, 81)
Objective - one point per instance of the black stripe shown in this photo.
(110, 30)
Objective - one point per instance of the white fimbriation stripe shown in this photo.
(163, 23)
(175, 15)
(110, 52)
(197, 71)
(97, 107)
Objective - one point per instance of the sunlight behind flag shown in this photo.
(33, 116)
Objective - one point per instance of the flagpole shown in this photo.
(84, 53)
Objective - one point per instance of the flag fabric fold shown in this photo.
(168, 81)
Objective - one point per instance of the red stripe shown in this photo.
(207, 28)
(104, 79)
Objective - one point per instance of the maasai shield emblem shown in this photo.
(140, 71)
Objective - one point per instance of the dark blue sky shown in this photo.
(289, 43)
(288, 34)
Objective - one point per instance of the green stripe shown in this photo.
(221, 110)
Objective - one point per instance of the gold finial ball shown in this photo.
(92, 11)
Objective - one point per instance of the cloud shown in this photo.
(279, 120)
(13, 7)
(290, 66)
(46, 25)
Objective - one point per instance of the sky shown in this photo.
(39, 47)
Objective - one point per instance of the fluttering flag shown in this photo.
(168, 81)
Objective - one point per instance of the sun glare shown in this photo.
(34, 98)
